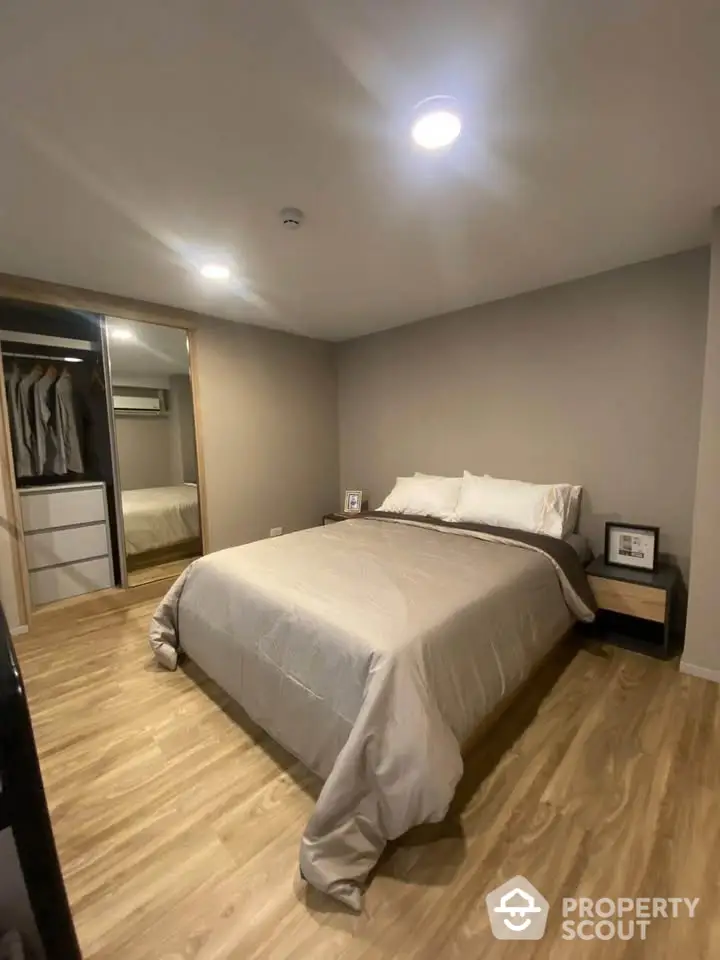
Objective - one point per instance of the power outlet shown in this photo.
(276, 531)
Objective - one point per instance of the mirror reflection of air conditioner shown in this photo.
(127, 403)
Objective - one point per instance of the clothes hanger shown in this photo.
(37, 368)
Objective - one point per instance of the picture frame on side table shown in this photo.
(353, 501)
(632, 545)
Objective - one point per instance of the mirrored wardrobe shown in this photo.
(56, 454)
(98, 462)
(155, 449)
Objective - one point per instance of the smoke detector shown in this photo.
(291, 217)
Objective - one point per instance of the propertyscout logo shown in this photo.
(518, 911)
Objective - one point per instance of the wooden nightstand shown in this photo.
(635, 607)
(337, 517)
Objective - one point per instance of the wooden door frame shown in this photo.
(199, 457)
(14, 516)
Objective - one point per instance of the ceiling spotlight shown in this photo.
(437, 123)
(121, 333)
(215, 271)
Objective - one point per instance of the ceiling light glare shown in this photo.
(121, 333)
(437, 123)
(215, 271)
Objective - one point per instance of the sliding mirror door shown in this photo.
(155, 448)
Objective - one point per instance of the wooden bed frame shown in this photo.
(531, 691)
(177, 551)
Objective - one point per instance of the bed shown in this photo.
(161, 519)
(372, 650)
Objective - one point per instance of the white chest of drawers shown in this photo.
(67, 540)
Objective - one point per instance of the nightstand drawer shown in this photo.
(632, 599)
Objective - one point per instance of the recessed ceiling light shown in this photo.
(72, 359)
(121, 333)
(436, 130)
(437, 123)
(215, 271)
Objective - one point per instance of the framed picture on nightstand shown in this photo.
(631, 545)
(353, 501)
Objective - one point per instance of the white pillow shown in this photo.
(424, 496)
(537, 508)
(571, 512)
(573, 517)
(436, 476)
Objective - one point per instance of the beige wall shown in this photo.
(702, 640)
(595, 382)
(266, 409)
(144, 449)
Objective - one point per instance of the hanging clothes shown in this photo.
(68, 455)
(44, 426)
(27, 416)
(45, 439)
(21, 452)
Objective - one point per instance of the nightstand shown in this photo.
(337, 517)
(635, 607)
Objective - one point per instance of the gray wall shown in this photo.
(144, 447)
(184, 458)
(702, 639)
(181, 391)
(596, 382)
(266, 413)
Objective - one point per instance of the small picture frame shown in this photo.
(353, 501)
(632, 545)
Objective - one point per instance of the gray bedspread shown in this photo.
(370, 649)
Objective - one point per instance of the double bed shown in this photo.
(161, 520)
(372, 650)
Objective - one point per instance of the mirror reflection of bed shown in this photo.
(155, 448)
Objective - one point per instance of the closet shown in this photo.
(58, 420)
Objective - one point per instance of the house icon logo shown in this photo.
(517, 911)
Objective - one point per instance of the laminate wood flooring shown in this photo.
(178, 821)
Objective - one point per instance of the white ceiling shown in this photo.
(139, 134)
(154, 350)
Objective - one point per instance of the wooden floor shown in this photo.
(178, 823)
(158, 571)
